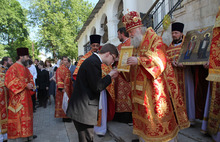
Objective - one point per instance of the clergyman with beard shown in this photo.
(19, 81)
(6, 63)
(153, 85)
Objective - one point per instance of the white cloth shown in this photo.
(3, 136)
(101, 130)
(65, 102)
(33, 71)
(98, 56)
(57, 65)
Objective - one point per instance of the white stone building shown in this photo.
(106, 17)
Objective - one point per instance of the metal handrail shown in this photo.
(152, 11)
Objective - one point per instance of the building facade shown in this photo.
(106, 18)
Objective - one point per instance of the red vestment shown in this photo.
(87, 55)
(173, 53)
(214, 75)
(20, 109)
(3, 103)
(64, 82)
(155, 93)
(122, 88)
(110, 93)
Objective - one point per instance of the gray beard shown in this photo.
(136, 40)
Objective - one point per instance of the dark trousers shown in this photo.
(43, 96)
(33, 97)
(85, 132)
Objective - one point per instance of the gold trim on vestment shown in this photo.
(194, 63)
(152, 38)
(173, 100)
(60, 83)
(212, 116)
(159, 62)
(214, 75)
(174, 49)
(159, 138)
(15, 110)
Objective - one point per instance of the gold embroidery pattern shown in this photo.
(214, 113)
(152, 113)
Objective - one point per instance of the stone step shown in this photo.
(123, 132)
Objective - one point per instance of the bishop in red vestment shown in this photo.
(19, 82)
(155, 91)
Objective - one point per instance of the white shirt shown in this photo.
(98, 56)
(33, 71)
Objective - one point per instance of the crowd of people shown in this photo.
(159, 95)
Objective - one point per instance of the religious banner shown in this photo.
(196, 47)
(126, 52)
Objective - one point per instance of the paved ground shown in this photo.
(49, 129)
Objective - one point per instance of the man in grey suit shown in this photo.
(72, 69)
(84, 102)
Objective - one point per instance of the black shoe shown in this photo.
(67, 120)
(38, 106)
(100, 136)
(34, 136)
(135, 140)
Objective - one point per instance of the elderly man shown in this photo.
(19, 81)
(158, 107)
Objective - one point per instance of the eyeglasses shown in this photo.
(95, 45)
(113, 57)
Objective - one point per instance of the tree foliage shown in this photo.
(59, 22)
(3, 52)
(14, 32)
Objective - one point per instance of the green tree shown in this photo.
(59, 22)
(14, 32)
(3, 52)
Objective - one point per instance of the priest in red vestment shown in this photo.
(19, 82)
(3, 100)
(159, 110)
(173, 53)
(123, 105)
(95, 45)
(64, 84)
